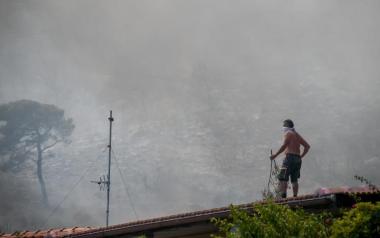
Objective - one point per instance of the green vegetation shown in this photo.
(273, 220)
(361, 221)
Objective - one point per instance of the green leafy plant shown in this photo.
(271, 220)
(361, 221)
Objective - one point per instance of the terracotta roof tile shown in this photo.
(60, 232)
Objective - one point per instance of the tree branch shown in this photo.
(46, 132)
(51, 145)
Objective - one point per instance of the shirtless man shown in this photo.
(293, 159)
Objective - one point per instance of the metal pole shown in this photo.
(109, 169)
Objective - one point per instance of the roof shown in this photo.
(328, 199)
(59, 232)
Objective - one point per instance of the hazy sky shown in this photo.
(199, 90)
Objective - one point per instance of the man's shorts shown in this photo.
(290, 168)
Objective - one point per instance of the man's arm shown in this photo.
(306, 146)
(282, 148)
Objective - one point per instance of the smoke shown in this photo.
(199, 90)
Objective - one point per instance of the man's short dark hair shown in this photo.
(288, 123)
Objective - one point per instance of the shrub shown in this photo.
(361, 221)
(271, 220)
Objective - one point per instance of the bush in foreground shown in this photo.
(273, 220)
(361, 221)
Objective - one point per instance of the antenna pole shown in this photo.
(109, 169)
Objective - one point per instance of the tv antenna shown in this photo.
(105, 182)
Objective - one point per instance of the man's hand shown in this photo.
(282, 148)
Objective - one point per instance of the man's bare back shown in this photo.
(293, 142)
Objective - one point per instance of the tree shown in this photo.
(27, 130)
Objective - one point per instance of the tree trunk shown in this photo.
(40, 177)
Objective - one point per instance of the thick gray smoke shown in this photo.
(199, 90)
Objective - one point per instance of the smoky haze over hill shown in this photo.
(199, 90)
